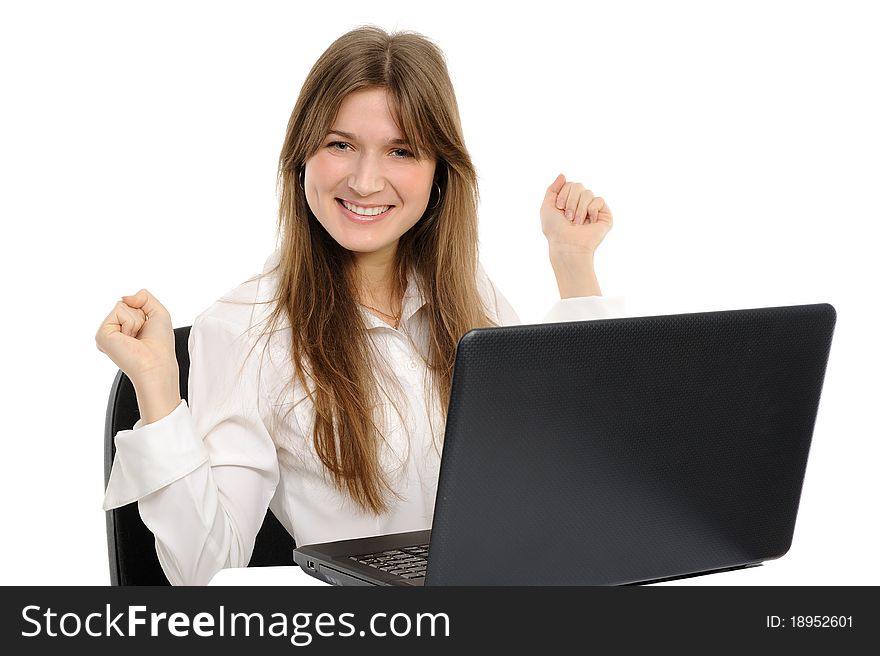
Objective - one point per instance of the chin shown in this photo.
(364, 245)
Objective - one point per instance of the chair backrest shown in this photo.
(130, 544)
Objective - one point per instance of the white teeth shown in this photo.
(365, 211)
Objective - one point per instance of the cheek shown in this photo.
(325, 171)
(319, 181)
(420, 185)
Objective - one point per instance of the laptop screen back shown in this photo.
(625, 450)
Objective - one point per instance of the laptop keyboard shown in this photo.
(406, 562)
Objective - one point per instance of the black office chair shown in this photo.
(131, 546)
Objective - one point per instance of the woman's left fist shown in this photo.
(572, 218)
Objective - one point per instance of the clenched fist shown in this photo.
(138, 336)
(573, 219)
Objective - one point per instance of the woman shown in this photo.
(336, 426)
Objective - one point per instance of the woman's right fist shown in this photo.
(137, 335)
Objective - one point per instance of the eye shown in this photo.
(338, 145)
(401, 152)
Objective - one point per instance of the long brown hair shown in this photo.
(316, 292)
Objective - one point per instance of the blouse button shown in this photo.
(413, 365)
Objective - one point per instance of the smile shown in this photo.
(360, 214)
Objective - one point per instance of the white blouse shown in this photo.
(204, 475)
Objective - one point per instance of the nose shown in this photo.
(367, 177)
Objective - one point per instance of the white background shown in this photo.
(736, 143)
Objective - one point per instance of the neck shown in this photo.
(377, 280)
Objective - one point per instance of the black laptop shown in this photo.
(612, 452)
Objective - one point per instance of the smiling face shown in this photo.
(363, 184)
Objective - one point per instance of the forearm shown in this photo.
(158, 397)
(575, 274)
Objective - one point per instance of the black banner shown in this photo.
(397, 620)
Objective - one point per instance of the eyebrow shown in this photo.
(348, 135)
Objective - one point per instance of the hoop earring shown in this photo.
(439, 192)
(302, 179)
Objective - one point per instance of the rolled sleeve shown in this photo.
(151, 456)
